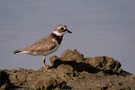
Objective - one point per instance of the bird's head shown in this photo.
(60, 30)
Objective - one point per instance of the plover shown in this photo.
(46, 45)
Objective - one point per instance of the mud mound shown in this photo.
(71, 71)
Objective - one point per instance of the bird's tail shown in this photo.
(16, 51)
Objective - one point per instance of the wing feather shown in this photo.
(42, 45)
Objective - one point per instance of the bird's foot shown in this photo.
(47, 69)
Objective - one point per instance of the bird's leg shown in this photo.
(45, 67)
(43, 61)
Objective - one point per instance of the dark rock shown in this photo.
(4, 80)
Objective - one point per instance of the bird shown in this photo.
(46, 45)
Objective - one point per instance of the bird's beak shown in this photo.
(69, 31)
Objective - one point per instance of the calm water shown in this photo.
(99, 28)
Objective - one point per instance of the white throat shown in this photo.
(58, 34)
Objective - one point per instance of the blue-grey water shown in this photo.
(100, 27)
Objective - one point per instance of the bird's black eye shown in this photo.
(62, 28)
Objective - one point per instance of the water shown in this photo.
(99, 28)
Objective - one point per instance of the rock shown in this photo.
(65, 69)
(105, 63)
(50, 83)
(65, 72)
(72, 55)
(4, 80)
(77, 66)
(118, 87)
(71, 71)
(53, 59)
(74, 59)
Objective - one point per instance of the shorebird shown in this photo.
(46, 45)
